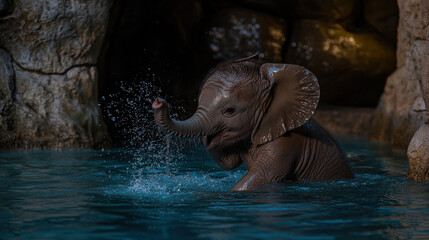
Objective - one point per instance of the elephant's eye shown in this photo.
(229, 111)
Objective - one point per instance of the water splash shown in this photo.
(163, 186)
(152, 154)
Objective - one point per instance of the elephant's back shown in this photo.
(326, 160)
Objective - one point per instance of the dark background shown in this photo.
(349, 45)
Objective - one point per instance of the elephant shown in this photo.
(259, 114)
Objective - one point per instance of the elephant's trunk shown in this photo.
(195, 126)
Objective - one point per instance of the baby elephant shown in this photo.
(259, 114)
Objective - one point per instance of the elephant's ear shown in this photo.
(294, 98)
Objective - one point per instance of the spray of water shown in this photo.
(154, 156)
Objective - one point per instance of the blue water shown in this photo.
(178, 192)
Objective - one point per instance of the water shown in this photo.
(178, 192)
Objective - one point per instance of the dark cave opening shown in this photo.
(170, 46)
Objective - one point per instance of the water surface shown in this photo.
(178, 192)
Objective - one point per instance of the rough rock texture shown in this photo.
(59, 111)
(239, 32)
(343, 61)
(418, 155)
(412, 26)
(52, 36)
(48, 95)
(402, 108)
(7, 90)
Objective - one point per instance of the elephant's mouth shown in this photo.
(211, 141)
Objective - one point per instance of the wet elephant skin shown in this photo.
(259, 114)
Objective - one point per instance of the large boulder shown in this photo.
(383, 16)
(340, 11)
(240, 32)
(351, 67)
(418, 155)
(48, 74)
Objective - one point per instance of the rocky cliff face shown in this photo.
(48, 74)
(402, 108)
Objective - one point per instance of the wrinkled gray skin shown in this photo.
(260, 114)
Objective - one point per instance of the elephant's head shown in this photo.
(245, 102)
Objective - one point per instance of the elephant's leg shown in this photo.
(250, 180)
(266, 164)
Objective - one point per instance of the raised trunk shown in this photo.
(195, 126)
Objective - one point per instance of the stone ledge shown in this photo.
(345, 120)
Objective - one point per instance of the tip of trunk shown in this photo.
(157, 104)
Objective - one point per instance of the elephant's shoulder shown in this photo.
(314, 131)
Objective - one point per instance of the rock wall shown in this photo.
(402, 108)
(48, 74)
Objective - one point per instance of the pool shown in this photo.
(173, 190)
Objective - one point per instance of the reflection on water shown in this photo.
(179, 192)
